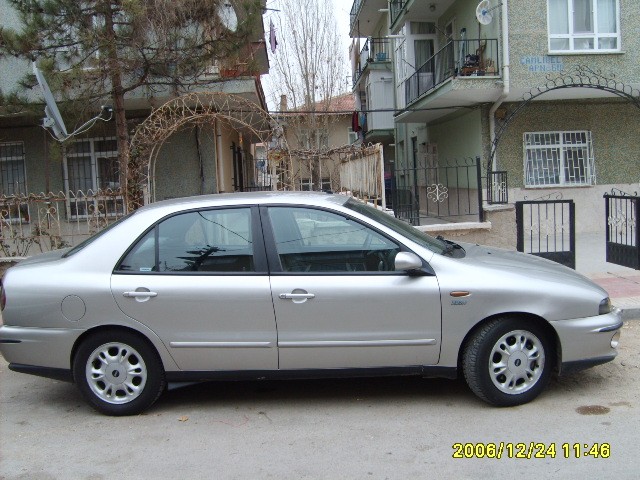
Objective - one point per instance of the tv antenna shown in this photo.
(53, 120)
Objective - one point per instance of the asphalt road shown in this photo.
(394, 428)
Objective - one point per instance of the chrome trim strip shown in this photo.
(612, 328)
(221, 344)
(359, 343)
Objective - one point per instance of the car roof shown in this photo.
(250, 198)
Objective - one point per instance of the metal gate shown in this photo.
(547, 228)
(623, 235)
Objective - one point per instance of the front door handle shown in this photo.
(297, 296)
(139, 294)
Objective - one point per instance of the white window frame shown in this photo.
(595, 35)
(554, 156)
(307, 184)
(78, 202)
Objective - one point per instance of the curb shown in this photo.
(631, 314)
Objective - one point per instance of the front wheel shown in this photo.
(508, 361)
(118, 373)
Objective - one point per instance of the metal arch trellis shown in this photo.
(581, 77)
(191, 109)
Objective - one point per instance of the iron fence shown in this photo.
(498, 188)
(444, 191)
(622, 232)
(546, 228)
(34, 223)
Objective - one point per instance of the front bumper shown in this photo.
(586, 342)
(42, 347)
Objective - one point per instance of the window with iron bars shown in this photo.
(13, 181)
(91, 171)
(557, 159)
(12, 172)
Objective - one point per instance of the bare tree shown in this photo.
(309, 69)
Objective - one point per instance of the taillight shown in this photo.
(3, 297)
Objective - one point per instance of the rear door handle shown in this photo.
(296, 296)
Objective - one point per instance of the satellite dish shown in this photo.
(228, 16)
(52, 119)
(483, 12)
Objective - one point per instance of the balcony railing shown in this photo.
(374, 50)
(463, 58)
(355, 8)
(396, 9)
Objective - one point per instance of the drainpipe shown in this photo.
(506, 86)
(220, 176)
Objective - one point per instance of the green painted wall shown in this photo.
(458, 138)
(615, 127)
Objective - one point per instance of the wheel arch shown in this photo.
(165, 358)
(538, 320)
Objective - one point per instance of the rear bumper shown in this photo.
(39, 347)
(47, 372)
(586, 342)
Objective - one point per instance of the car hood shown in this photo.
(531, 267)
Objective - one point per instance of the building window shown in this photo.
(13, 182)
(91, 171)
(583, 25)
(558, 159)
(306, 184)
(12, 172)
(314, 139)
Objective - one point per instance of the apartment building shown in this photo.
(543, 92)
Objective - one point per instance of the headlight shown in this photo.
(605, 306)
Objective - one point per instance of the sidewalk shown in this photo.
(623, 284)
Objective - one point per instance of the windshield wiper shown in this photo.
(450, 246)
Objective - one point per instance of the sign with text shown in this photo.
(543, 63)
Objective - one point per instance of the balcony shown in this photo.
(374, 52)
(445, 85)
(475, 58)
(403, 11)
(365, 17)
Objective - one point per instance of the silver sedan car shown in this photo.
(294, 285)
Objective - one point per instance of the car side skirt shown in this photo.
(66, 375)
(418, 370)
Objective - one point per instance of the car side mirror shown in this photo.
(407, 261)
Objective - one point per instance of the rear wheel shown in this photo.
(118, 373)
(508, 361)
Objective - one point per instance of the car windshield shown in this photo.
(399, 226)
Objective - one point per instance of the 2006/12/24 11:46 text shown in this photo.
(531, 450)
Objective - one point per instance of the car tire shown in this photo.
(508, 361)
(118, 373)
